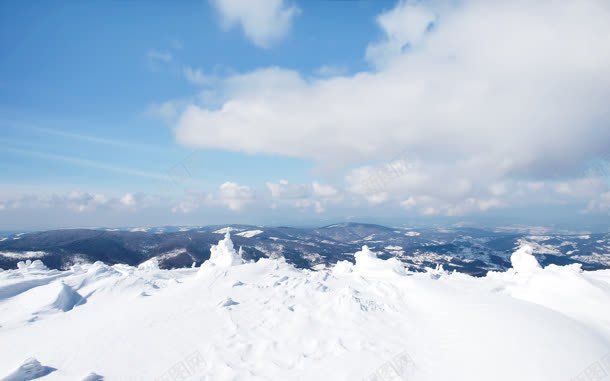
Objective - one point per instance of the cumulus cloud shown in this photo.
(235, 196)
(314, 196)
(473, 104)
(263, 22)
(83, 201)
(191, 201)
(476, 86)
(128, 200)
(283, 190)
(404, 27)
(74, 201)
(229, 195)
(325, 191)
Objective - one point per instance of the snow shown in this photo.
(367, 264)
(523, 261)
(249, 233)
(139, 230)
(224, 254)
(151, 264)
(23, 254)
(539, 248)
(266, 320)
(412, 234)
(67, 298)
(224, 230)
(28, 265)
(29, 370)
(393, 248)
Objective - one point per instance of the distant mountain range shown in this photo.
(468, 250)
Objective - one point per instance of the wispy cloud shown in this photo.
(196, 76)
(160, 56)
(88, 163)
(96, 139)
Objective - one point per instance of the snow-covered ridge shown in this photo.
(249, 233)
(30, 254)
(266, 320)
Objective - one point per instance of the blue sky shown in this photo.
(276, 111)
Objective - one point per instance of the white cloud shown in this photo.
(404, 27)
(325, 191)
(475, 82)
(494, 101)
(93, 164)
(191, 201)
(303, 196)
(264, 22)
(284, 190)
(85, 202)
(235, 196)
(74, 201)
(229, 195)
(128, 200)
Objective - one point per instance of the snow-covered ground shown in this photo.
(250, 233)
(233, 320)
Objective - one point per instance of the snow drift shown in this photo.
(266, 320)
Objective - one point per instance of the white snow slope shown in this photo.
(230, 320)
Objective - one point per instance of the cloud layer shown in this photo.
(469, 102)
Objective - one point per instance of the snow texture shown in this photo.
(523, 261)
(224, 254)
(266, 320)
(31, 369)
(250, 233)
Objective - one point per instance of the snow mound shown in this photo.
(523, 261)
(343, 267)
(228, 303)
(31, 369)
(67, 298)
(30, 266)
(224, 254)
(437, 272)
(367, 264)
(149, 265)
(250, 233)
